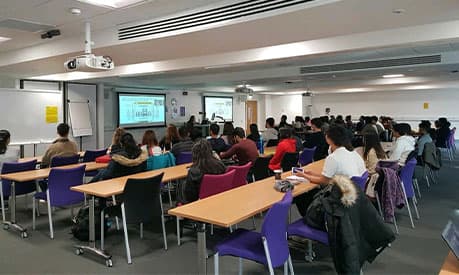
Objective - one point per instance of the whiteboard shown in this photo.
(80, 118)
(23, 113)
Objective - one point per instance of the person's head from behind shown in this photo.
(171, 132)
(254, 130)
(325, 119)
(285, 133)
(63, 130)
(307, 119)
(149, 138)
(192, 119)
(374, 119)
(424, 127)
(372, 141)
(444, 122)
(239, 134)
(367, 120)
(228, 129)
(269, 122)
(129, 145)
(348, 118)
(4, 140)
(201, 153)
(401, 129)
(284, 118)
(183, 132)
(427, 122)
(336, 136)
(299, 119)
(117, 135)
(316, 124)
(214, 129)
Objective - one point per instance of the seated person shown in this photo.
(283, 123)
(170, 138)
(254, 133)
(150, 143)
(184, 145)
(343, 160)
(217, 143)
(317, 139)
(7, 154)
(227, 135)
(203, 163)
(404, 143)
(243, 151)
(116, 146)
(62, 146)
(424, 138)
(129, 160)
(443, 132)
(287, 144)
(270, 133)
(372, 154)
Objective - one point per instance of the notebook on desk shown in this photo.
(451, 233)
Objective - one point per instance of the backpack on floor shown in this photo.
(80, 228)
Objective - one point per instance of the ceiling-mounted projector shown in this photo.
(243, 89)
(89, 62)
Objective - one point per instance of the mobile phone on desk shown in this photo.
(296, 170)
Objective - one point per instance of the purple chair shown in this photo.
(361, 181)
(406, 177)
(91, 155)
(212, 185)
(61, 161)
(240, 178)
(21, 188)
(299, 228)
(58, 193)
(269, 247)
(307, 156)
(184, 157)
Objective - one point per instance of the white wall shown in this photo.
(276, 106)
(406, 106)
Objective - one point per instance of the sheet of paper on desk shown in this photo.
(295, 179)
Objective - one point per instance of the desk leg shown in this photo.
(12, 223)
(202, 249)
(91, 247)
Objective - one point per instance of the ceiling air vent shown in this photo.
(372, 64)
(205, 17)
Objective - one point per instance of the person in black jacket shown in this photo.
(130, 159)
(443, 133)
(356, 232)
(317, 139)
(254, 133)
(203, 163)
(216, 142)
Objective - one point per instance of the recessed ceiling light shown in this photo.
(398, 11)
(113, 4)
(3, 39)
(393, 75)
(75, 11)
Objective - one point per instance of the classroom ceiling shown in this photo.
(218, 58)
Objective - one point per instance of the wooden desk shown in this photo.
(269, 151)
(31, 176)
(450, 266)
(233, 206)
(39, 158)
(115, 186)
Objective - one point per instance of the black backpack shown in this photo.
(80, 228)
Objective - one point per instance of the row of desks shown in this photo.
(39, 158)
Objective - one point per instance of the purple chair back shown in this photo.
(274, 229)
(61, 161)
(21, 187)
(361, 181)
(91, 155)
(451, 140)
(307, 156)
(214, 184)
(59, 182)
(406, 175)
(184, 157)
(240, 178)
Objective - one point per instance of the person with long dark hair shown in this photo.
(203, 163)
(372, 153)
(227, 135)
(150, 143)
(170, 138)
(116, 145)
(443, 132)
(317, 139)
(129, 160)
(7, 154)
(254, 133)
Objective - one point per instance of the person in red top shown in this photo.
(244, 150)
(287, 144)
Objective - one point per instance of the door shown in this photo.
(251, 108)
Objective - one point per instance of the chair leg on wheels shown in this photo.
(415, 207)
(178, 231)
(102, 228)
(216, 267)
(126, 238)
(50, 218)
(141, 230)
(33, 212)
(240, 266)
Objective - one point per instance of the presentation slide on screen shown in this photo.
(141, 110)
(221, 106)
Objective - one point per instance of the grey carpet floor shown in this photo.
(415, 251)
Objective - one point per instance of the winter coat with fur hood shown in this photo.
(356, 232)
(122, 164)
